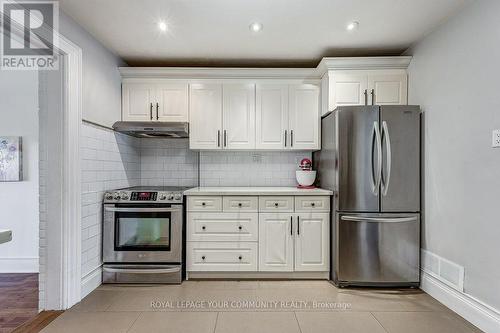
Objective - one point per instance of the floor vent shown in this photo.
(444, 270)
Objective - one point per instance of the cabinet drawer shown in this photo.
(276, 204)
(312, 203)
(204, 204)
(234, 227)
(240, 204)
(220, 257)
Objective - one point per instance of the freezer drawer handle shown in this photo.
(142, 270)
(379, 219)
(385, 180)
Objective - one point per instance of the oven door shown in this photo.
(133, 234)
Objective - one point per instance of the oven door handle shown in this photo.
(143, 210)
(142, 270)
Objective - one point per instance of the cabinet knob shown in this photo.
(240, 257)
(202, 257)
(312, 204)
(203, 228)
(276, 204)
(240, 227)
(240, 204)
(203, 204)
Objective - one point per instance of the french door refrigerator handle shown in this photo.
(378, 219)
(385, 182)
(376, 175)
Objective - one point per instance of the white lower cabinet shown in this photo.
(275, 242)
(222, 256)
(258, 234)
(312, 242)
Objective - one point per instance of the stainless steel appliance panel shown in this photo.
(377, 249)
(112, 253)
(400, 184)
(325, 160)
(359, 158)
(123, 273)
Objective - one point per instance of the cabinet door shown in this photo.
(137, 101)
(205, 116)
(275, 242)
(349, 89)
(272, 116)
(388, 89)
(304, 116)
(172, 99)
(239, 116)
(311, 242)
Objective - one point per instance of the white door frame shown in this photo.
(65, 262)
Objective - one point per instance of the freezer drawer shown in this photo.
(377, 249)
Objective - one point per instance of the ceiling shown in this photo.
(295, 32)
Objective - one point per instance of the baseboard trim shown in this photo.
(259, 275)
(91, 281)
(19, 265)
(478, 313)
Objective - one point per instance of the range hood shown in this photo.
(153, 129)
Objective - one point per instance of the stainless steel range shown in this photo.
(142, 235)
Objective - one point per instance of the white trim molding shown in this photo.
(326, 64)
(19, 265)
(478, 313)
(91, 281)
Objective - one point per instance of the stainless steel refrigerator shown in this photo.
(370, 158)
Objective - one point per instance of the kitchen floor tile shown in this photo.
(338, 322)
(98, 300)
(96, 322)
(257, 322)
(170, 322)
(428, 322)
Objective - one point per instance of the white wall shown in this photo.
(19, 200)
(101, 79)
(455, 77)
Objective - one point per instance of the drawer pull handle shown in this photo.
(276, 204)
(203, 228)
(240, 227)
(312, 204)
(240, 257)
(240, 204)
(203, 204)
(203, 258)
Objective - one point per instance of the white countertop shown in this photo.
(255, 191)
(5, 236)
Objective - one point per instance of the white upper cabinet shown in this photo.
(172, 99)
(388, 89)
(205, 116)
(154, 100)
(303, 116)
(138, 101)
(238, 116)
(374, 87)
(272, 116)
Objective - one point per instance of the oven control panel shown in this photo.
(145, 197)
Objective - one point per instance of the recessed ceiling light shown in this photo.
(162, 25)
(351, 26)
(256, 27)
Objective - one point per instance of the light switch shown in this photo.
(496, 139)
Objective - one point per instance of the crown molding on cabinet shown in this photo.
(326, 64)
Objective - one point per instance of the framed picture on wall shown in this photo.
(11, 159)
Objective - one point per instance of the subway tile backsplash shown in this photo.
(249, 168)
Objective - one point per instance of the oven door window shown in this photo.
(143, 231)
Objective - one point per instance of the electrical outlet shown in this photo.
(496, 139)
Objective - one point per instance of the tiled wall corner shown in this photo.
(109, 161)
